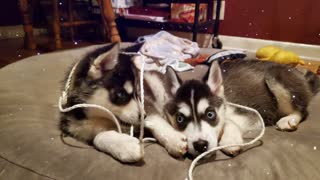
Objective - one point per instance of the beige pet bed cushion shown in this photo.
(31, 148)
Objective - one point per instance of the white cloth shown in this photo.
(165, 49)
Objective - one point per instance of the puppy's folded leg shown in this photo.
(121, 146)
(174, 141)
(231, 135)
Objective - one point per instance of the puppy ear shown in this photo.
(134, 48)
(174, 79)
(105, 61)
(214, 80)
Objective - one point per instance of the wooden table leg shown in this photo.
(216, 43)
(109, 19)
(27, 25)
(196, 21)
(56, 24)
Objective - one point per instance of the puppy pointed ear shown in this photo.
(105, 61)
(214, 80)
(174, 79)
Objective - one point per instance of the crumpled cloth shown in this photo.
(164, 49)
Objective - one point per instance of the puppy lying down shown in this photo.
(278, 92)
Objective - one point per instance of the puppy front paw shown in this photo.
(122, 147)
(231, 135)
(129, 151)
(176, 144)
(232, 151)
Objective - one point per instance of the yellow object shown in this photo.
(267, 52)
(275, 54)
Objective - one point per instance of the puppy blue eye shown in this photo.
(180, 118)
(211, 114)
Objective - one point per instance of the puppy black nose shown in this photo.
(200, 146)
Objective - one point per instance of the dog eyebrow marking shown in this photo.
(128, 87)
(192, 105)
(203, 104)
(184, 109)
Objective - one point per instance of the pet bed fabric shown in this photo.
(31, 148)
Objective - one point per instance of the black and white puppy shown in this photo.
(199, 110)
(110, 79)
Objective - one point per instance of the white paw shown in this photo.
(232, 151)
(176, 144)
(129, 151)
(232, 135)
(287, 123)
(123, 147)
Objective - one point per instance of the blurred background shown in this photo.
(246, 24)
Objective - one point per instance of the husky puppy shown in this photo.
(109, 78)
(199, 110)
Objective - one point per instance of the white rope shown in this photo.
(195, 161)
(131, 130)
(149, 140)
(67, 85)
(115, 120)
(142, 100)
(141, 104)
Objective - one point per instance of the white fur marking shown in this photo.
(203, 104)
(184, 109)
(245, 123)
(95, 71)
(232, 135)
(283, 98)
(128, 87)
(193, 106)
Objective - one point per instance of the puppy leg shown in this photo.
(121, 146)
(291, 104)
(174, 141)
(290, 122)
(231, 135)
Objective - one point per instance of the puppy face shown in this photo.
(112, 75)
(197, 110)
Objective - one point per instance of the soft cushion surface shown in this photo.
(31, 148)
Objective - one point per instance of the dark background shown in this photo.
(9, 13)
(282, 20)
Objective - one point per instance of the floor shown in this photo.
(11, 50)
